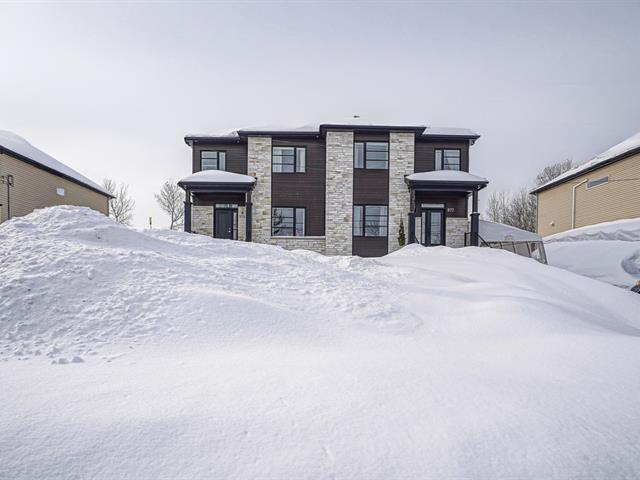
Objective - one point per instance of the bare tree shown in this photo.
(519, 209)
(516, 209)
(171, 201)
(550, 172)
(121, 206)
(497, 206)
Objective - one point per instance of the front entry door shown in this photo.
(223, 224)
(433, 227)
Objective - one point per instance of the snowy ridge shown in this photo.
(19, 145)
(608, 251)
(627, 230)
(204, 358)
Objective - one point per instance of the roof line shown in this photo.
(555, 183)
(53, 171)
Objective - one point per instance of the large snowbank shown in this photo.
(203, 358)
(608, 251)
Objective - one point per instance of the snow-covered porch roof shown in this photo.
(452, 180)
(215, 181)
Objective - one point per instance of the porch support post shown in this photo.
(475, 219)
(248, 218)
(412, 227)
(187, 211)
(412, 215)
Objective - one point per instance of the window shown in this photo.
(371, 155)
(210, 160)
(287, 221)
(370, 221)
(60, 191)
(597, 181)
(447, 159)
(289, 159)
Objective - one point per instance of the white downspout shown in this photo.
(573, 203)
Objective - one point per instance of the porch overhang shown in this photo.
(445, 181)
(215, 183)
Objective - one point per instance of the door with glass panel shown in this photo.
(433, 221)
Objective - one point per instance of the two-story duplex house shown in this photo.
(338, 189)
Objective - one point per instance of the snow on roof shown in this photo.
(355, 122)
(217, 176)
(17, 144)
(449, 132)
(446, 176)
(498, 232)
(617, 150)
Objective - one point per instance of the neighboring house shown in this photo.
(338, 189)
(30, 179)
(604, 189)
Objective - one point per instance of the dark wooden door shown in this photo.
(433, 227)
(223, 225)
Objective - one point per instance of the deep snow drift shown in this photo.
(608, 251)
(202, 358)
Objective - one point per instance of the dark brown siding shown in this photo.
(370, 187)
(457, 202)
(303, 189)
(370, 246)
(236, 156)
(426, 157)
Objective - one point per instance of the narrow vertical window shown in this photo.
(358, 220)
(358, 155)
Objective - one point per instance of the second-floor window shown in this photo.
(372, 155)
(289, 159)
(447, 159)
(210, 160)
(287, 221)
(370, 220)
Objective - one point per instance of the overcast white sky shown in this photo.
(112, 88)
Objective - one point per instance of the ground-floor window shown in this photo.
(287, 221)
(370, 220)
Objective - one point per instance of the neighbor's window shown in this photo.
(447, 159)
(289, 159)
(372, 155)
(370, 221)
(597, 181)
(210, 160)
(287, 221)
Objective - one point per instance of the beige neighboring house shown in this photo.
(604, 189)
(30, 179)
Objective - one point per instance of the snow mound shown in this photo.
(609, 251)
(75, 283)
(627, 230)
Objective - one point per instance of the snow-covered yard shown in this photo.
(202, 358)
(609, 252)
